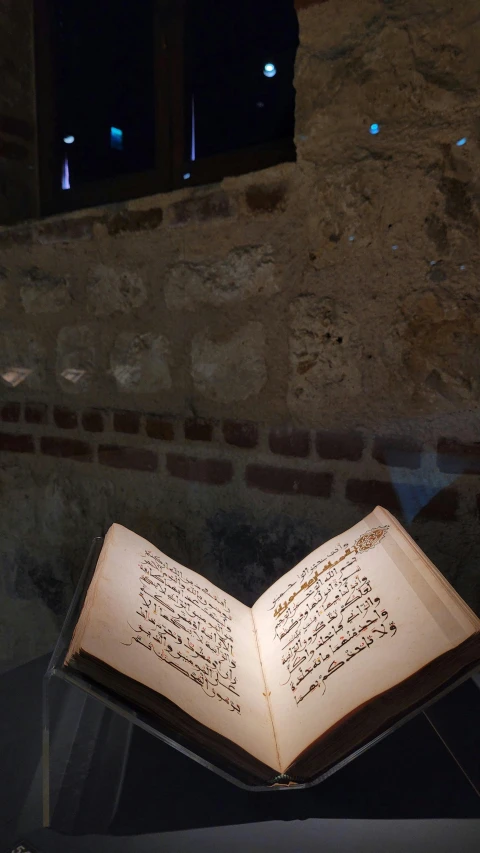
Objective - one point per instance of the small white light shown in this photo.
(72, 375)
(395, 247)
(69, 139)
(186, 176)
(351, 238)
(432, 263)
(463, 267)
(461, 141)
(13, 376)
(269, 69)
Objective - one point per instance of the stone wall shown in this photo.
(240, 371)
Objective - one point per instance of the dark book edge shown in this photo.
(383, 711)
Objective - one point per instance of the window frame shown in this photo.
(170, 110)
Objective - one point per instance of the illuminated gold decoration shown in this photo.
(370, 538)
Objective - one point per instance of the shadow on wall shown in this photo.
(249, 557)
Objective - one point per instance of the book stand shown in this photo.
(87, 730)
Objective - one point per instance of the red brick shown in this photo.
(397, 452)
(288, 481)
(216, 472)
(134, 220)
(10, 413)
(215, 205)
(457, 457)
(126, 422)
(240, 433)
(198, 430)
(262, 198)
(133, 458)
(16, 443)
(289, 441)
(92, 420)
(67, 229)
(443, 506)
(66, 448)
(36, 413)
(64, 418)
(373, 493)
(158, 427)
(19, 235)
(338, 445)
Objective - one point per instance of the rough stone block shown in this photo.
(92, 420)
(140, 362)
(66, 448)
(64, 418)
(321, 354)
(36, 413)
(289, 481)
(215, 472)
(76, 358)
(289, 441)
(43, 292)
(10, 412)
(22, 349)
(198, 430)
(157, 427)
(16, 443)
(133, 458)
(231, 370)
(337, 445)
(128, 422)
(66, 229)
(217, 205)
(397, 452)
(240, 433)
(246, 272)
(112, 290)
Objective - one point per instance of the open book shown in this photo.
(363, 630)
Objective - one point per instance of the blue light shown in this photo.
(374, 129)
(269, 69)
(461, 141)
(395, 248)
(186, 176)
(65, 175)
(69, 139)
(116, 138)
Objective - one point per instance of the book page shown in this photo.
(350, 621)
(170, 629)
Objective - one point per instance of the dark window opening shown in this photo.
(142, 96)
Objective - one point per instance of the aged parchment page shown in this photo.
(170, 629)
(356, 617)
